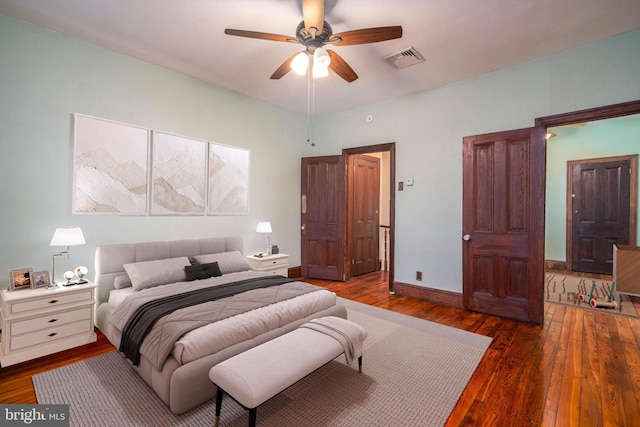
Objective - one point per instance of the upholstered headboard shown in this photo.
(110, 259)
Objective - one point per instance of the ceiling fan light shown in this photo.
(321, 57)
(319, 71)
(300, 63)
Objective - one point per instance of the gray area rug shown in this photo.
(414, 372)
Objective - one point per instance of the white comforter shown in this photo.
(217, 336)
(224, 333)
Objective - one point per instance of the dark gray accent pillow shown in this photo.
(229, 262)
(202, 271)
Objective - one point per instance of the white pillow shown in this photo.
(229, 262)
(148, 274)
(121, 282)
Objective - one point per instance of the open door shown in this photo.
(503, 223)
(323, 217)
(364, 213)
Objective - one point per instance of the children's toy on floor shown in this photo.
(592, 299)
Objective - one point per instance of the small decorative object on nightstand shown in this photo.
(20, 278)
(40, 279)
(68, 275)
(275, 264)
(81, 271)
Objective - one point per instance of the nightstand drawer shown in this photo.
(269, 262)
(284, 271)
(51, 334)
(273, 262)
(50, 302)
(50, 320)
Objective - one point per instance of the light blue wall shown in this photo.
(607, 138)
(428, 128)
(46, 77)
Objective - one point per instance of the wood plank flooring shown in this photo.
(580, 368)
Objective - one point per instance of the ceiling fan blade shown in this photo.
(259, 35)
(313, 15)
(367, 35)
(341, 68)
(284, 68)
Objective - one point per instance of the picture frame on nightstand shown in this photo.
(40, 279)
(20, 278)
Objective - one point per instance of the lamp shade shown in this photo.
(318, 71)
(67, 236)
(300, 63)
(264, 227)
(321, 57)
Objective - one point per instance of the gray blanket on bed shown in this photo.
(159, 342)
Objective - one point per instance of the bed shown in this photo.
(178, 350)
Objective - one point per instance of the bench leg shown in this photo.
(219, 395)
(360, 364)
(253, 414)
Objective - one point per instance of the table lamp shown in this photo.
(264, 227)
(65, 236)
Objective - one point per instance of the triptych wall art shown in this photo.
(123, 169)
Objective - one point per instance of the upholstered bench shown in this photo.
(258, 374)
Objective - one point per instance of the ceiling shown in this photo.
(459, 39)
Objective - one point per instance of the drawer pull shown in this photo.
(273, 262)
(53, 301)
(52, 334)
(53, 320)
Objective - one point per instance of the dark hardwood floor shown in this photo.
(580, 368)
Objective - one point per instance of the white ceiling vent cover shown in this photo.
(404, 58)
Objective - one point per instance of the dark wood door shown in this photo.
(600, 209)
(364, 213)
(323, 217)
(503, 223)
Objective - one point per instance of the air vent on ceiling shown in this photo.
(405, 58)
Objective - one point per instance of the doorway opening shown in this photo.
(597, 136)
(386, 210)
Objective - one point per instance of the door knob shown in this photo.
(466, 237)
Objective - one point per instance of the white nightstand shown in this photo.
(37, 322)
(275, 264)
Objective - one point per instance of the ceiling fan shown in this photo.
(314, 33)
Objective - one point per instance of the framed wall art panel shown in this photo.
(110, 167)
(178, 170)
(228, 180)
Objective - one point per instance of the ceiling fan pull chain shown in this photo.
(309, 107)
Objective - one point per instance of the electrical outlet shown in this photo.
(418, 275)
